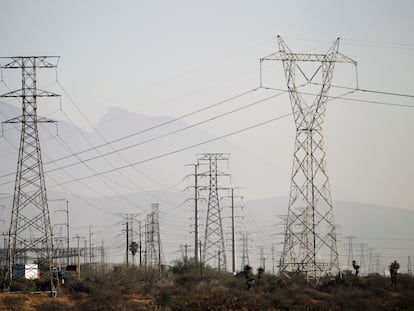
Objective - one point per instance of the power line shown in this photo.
(167, 134)
(369, 91)
(230, 134)
(352, 90)
(181, 149)
(49, 177)
(105, 140)
(218, 116)
(394, 45)
(163, 123)
(61, 142)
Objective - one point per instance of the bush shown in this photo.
(23, 285)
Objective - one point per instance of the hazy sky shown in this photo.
(167, 58)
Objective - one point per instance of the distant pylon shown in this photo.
(153, 238)
(245, 251)
(350, 252)
(310, 237)
(214, 252)
(370, 262)
(362, 264)
(30, 233)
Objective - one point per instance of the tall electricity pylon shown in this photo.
(153, 239)
(30, 233)
(214, 247)
(310, 237)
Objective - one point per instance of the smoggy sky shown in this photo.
(168, 58)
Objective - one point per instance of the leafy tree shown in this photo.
(260, 272)
(133, 248)
(247, 271)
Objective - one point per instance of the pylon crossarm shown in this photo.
(30, 61)
(38, 92)
(302, 57)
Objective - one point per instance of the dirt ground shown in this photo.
(31, 302)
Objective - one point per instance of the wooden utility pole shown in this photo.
(127, 242)
(233, 243)
(201, 260)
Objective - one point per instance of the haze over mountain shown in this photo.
(103, 200)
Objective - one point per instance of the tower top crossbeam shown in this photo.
(285, 54)
(30, 61)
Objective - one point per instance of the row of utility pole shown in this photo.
(151, 255)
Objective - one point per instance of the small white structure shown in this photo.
(30, 272)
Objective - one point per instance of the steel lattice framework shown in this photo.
(310, 237)
(30, 233)
(152, 238)
(245, 251)
(214, 252)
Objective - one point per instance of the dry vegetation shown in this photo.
(182, 288)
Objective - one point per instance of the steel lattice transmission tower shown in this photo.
(152, 238)
(245, 251)
(214, 252)
(30, 233)
(310, 236)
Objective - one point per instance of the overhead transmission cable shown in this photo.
(393, 45)
(163, 155)
(106, 160)
(352, 90)
(193, 145)
(305, 93)
(70, 175)
(175, 131)
(164, 123)
(117, 151)
(368, 90)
